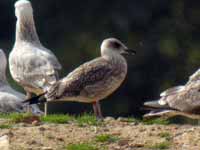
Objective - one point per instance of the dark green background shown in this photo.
(165, 34)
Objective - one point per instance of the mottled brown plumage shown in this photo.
(91, 81)
(94, 80)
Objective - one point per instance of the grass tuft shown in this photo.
(4, 116)
(165, 135)
(160, 146)
(16, 117)
(57, 118)
(5, 126)
(83, 146)
(87, 119)
(106, 138)
(158, 121)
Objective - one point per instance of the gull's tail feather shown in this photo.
(155, 104)
(36, 100)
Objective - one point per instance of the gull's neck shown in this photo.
(118, 62)
(113, 56)
(25, 29)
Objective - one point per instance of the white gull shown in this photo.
(32, 65)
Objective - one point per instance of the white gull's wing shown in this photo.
(34, 66)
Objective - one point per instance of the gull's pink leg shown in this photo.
(100, 116)
(94, 104)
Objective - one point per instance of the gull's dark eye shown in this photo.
(116, 45)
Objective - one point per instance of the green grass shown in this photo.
(82, 120)
(5, 126)
(57, 118)
(160, 146)
(165, 135)
(83, 146)
(106, 138)
(132, 119)
(158, 121)
(87, 119)
(15, 117)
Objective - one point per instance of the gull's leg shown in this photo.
(100, 116)
(28, 96)
(94, 104)
(97, 110)
(45, 109)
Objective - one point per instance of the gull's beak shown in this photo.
(129, 51)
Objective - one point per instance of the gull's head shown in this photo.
(23, 7)
(113, 45)
(3, 60)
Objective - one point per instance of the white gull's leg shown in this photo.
(28, 96)
(45, 109)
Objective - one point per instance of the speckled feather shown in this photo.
(91, 81)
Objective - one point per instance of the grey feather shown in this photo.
(182, 98)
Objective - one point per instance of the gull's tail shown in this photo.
(158, 108)
(155, 105)
(36, 100)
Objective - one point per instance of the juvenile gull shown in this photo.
(94, 80)
(10, 99)
(32, 66)
(181, 100)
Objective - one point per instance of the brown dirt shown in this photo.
(132, 136)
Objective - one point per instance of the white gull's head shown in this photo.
(114, 46)
(23, 7)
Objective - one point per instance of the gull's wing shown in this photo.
(82, 80)
(186, 100)
(195, 76)
(171, 91)
(33, 66)
(174, 90)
